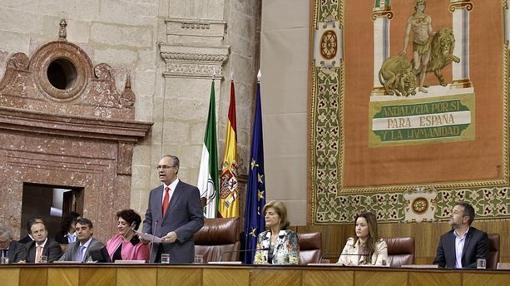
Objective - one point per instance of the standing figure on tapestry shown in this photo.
(420, 24)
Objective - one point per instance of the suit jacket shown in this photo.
(95, 252)
(286, 250)
(26, 240)
(51, 249)
(352, 254)
(476, 246)
(184, 216)
(17, 252)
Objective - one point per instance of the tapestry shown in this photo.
(408, 109)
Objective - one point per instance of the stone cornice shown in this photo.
(193, 61)
(72, 126)
(194, 57)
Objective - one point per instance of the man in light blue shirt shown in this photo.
(86, 248)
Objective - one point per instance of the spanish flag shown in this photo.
(229, 193)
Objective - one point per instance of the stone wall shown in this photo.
(129, 35)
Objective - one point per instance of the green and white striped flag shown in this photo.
(208, 182)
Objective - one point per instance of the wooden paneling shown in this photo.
(226, 276)
(328, 278)
(368, 278)
(33, 276)
(179, 277)
(426, 236)
(275, 277)
(98, 276)
(139, 277)
(9, 276)
(63, 276)
(489, 279)
(434, 279)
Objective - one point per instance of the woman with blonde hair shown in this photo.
(276, 245)
(368, 249)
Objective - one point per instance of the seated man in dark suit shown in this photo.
(86, 248)
(464, 244)
(42, 245)
(11, 250)
(28, 238)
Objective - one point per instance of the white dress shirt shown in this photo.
(459, 247)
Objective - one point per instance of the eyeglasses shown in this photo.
(164, 167)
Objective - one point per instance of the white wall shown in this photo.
(284, 67)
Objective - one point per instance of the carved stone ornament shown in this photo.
(194, 62)
(60, 78)
(64, 123)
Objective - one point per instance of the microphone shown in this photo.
(237, 251)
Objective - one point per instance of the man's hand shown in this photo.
(140, 236)
(170, 237)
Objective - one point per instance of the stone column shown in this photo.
(381, 15)
(194, 53)
(460, 71)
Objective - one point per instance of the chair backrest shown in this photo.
(218, 239)
(309, 247)
(493, 256)
(400, 251)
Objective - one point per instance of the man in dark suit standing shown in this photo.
(42, 245)
(464, 244)
(174, 214)
(11, 250)
(86, 248)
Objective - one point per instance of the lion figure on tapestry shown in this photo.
(397, 77)
(441, 53)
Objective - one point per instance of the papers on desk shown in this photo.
(420, 266)
(224, 262)
(129, 261)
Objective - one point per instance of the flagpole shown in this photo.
(256, 191)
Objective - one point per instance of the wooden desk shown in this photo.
(234, 275)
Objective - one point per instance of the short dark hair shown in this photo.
(33, 221)
(84, 221)
(469, 211)
(68, 220)
(130, 216)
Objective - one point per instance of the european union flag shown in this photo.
(256, 195)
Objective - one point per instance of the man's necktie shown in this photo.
(38, 253)
(81, 253)
(166, 202)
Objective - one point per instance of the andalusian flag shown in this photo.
(229, 193)
(208, 175)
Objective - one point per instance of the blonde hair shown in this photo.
(281, 210)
